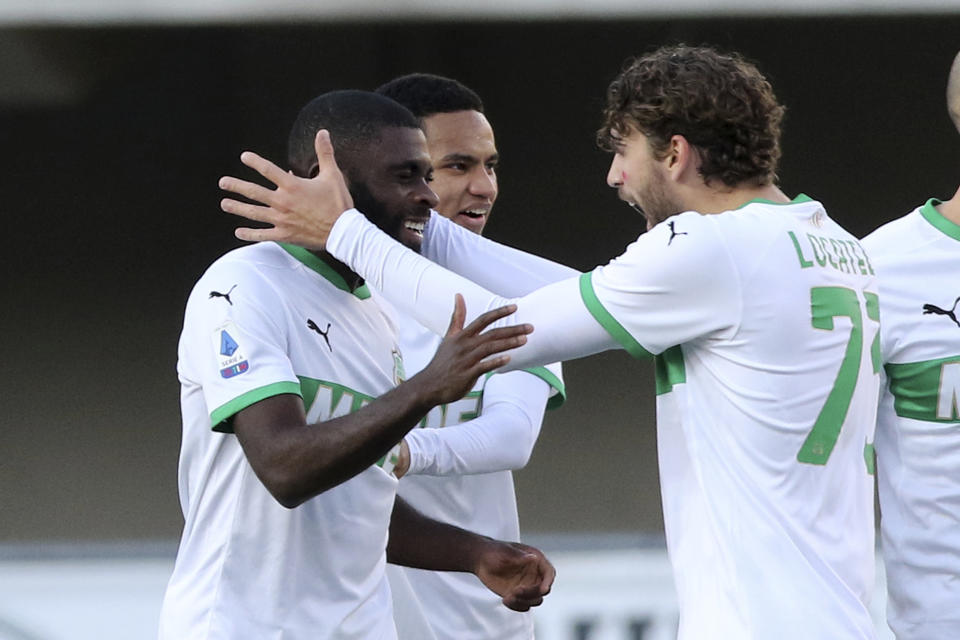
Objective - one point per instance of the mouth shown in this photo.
(416, 226)
(475, 214)
(473, 219)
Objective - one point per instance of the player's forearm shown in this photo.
(423, 543)
(296, 462)
(501, 438)
(563, 328)
(503, 270)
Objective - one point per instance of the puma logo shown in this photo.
(673, 232)
(934, 309)
(313, 325)
(225, 296)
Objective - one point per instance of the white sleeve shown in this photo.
(659, 293)
(235, 351)
(563, 326)
(500, 438)
(504, 270)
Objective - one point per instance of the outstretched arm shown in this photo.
(296, 461)
(504, 270)
(303, 211)
(519, 573)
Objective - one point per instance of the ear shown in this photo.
(681, 158)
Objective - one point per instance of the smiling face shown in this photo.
(640, 178)
(388, 180)
(464, 157)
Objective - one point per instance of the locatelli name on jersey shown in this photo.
(846, 256)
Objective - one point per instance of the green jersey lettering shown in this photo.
(804, 263)
(947, 398)
(324, 400)
(840, 250)
(827, 303)
(928, 390)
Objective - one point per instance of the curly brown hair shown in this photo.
(719, 102)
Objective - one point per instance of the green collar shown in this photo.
(936, 218)
(800, 198)
(311, 261)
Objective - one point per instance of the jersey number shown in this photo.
(827, 303)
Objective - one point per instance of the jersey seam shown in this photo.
(738, 325)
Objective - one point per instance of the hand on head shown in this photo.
(301, 210)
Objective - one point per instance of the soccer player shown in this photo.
(917, 258)
(294, 402)
(761, 314)
(461, 461)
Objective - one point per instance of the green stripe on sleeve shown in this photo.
(558, 398)
(607, 321)
(669, 370)
(221, 417)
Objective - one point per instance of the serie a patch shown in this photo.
(230, 357)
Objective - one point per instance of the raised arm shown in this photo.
(504, 270)
(303, 211)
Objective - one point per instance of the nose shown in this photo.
(483, 183)
(615, 173)
(424, 194)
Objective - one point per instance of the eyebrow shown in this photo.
(416, 165)
(465, 157)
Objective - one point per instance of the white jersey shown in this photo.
(917, 258)
(265, 320)
(763, 321)
(765, 324)
(457, 605)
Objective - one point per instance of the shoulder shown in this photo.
(892, 236)
(245, 278)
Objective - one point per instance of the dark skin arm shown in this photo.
(296, 461)
(519, 573)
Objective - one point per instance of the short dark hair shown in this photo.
(353, 118)
(426, 94)
(719, 102)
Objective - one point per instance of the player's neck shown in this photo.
(950, 209)
(352, 279)
(718, 200)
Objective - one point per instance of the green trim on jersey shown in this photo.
(870, 458)
(801, 197)
(313, 262)
(937, 219)
(221, 418)
(607, 321)
(556, 400)
(918, 389)
(669, 370)
(311, 391)
(311, 386)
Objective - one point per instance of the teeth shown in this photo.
(414, 225)
(475, 212)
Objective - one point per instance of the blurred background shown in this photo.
(117, 118)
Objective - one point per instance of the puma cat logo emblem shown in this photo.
(225, 296)
(934, 309)
(313, 325)
(674, 233)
